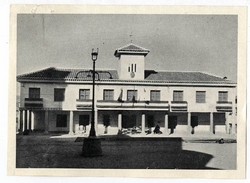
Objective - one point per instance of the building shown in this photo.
(59, 100)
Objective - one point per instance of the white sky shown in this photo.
(205, 43)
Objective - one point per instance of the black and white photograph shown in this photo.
(128, 91)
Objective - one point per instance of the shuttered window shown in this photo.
(178, 96)
(223, 96)
(59, 94)
(200, 96)
(131, 95)
(34, 93)
(155, 95)
(108, 94)
(84, 94)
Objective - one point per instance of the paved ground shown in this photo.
(61, 151)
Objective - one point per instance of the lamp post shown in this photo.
(92, 144)
(92, 132)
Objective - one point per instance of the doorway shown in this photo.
(172, 123)
(128, 121)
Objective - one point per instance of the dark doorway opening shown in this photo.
(172, 123)
(84, 121)
(194, 123)
(106, 122)
(151, 121)
(128, 121)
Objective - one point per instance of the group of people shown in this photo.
(155, 131)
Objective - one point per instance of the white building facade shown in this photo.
(60, 100)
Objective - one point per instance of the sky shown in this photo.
(206, 43)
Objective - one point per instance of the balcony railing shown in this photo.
(82, 104)
(224, 106)
(224, 102)
(178, 106)
(33, 102)
(133, 104)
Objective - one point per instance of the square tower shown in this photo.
(131, 60)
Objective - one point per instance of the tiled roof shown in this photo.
(68, 74)
(131, 48)
(112, 75)
(183, 76)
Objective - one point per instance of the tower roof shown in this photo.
(131, 49)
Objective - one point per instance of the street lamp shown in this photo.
(92, 132)
(92, 144)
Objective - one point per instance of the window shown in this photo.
(133, 68)
(108, 94)
(59, 94)
(132, 95)
(223, 96)
(84, 94)
(178, 96)
(34, 93)
(61, 120)
(200, 96)
(155, 95)
(83, 120)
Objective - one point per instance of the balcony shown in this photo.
(33, 102)
(82, 104)
(224, 106)
(178, 106)
(143, 105)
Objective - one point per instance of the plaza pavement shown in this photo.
(198, 151)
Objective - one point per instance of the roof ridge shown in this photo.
(84, 69)
(129, 44)
(36, 71)
(204, 72)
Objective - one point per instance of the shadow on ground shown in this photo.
(46, 152)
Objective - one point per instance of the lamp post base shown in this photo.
(92, 147)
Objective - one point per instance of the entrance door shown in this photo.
(128, 121)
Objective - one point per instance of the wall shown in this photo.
(125, 61)
(39, 124)
(189, 95)
(52, 121)
(143, 93)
